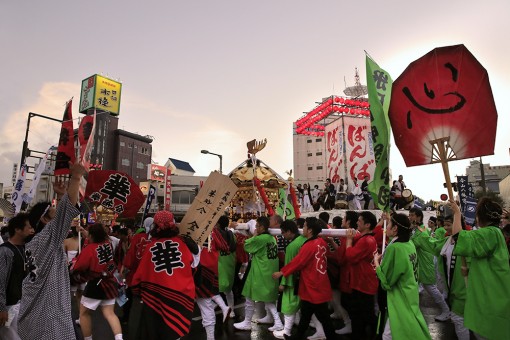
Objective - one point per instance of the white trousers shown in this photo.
(206, 306)
(387, 331)
(461, 331)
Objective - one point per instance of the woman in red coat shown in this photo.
(165, 280)
(96, 264)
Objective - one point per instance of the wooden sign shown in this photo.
(207, 207)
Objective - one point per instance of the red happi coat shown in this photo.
(311, 260)
(95, 264)
(134, 255)
(206, 275)
(241, 254)
(356, 262)
(164, 280)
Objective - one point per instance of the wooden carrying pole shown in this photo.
(442, 153)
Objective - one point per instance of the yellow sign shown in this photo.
(101, 93)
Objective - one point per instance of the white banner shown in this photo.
(37, 176)
(335, 158)
(16, 198)
(359, 148)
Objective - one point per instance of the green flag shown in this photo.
(379, 94)
(285, 208)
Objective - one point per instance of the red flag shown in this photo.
(65, 150)
(86, 134)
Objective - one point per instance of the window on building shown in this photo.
(318, 140)
(318, 153)
(308, 140)
(310, 154)
(144, 150)
(140, 165)
(161, 186)
(319, 167)
(310, 168)
(130, 145)
(125, 161)
(182, 197)
(122, 144)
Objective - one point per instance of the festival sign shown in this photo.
(335, 151)
(438, 106)
(101, 93)
(115, 191)
(359, 152)
(207, 207)
(168, 189)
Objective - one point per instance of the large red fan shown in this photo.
(443, 97)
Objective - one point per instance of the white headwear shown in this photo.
(148, 224)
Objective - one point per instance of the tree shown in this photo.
(492, 195)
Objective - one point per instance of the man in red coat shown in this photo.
(361, 281)
(314, 287)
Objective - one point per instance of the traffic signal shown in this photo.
(454, 186)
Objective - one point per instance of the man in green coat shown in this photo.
(398, 273)
(259, 285)
(426, 268)
(290, 299)
(453, 276)
(487, 309)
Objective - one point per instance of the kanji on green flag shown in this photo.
(285, 208)
(379, 85)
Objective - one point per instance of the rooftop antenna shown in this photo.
(357, 90)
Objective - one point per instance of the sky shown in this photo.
(216, 74)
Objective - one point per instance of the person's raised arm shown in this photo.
(77, 172)
(457, 226)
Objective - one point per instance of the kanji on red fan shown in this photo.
(117, 191)
(444, 94)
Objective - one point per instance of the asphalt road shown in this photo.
(101, 330)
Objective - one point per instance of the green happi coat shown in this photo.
(226, 271)
(397, 274)
(457, 286)
(290, 300)
(426, 269)
(259, 285)
(439, 233)
(487, 310)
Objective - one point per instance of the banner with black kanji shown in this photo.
(210, 203)
(115, 191)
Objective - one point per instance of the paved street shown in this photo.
(438, 330)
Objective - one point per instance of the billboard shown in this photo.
(156, 173)
(101, 93)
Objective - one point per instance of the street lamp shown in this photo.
(24, 151)
(205, 152)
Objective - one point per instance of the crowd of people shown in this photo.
(370, 279)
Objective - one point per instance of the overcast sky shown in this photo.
(216, 74)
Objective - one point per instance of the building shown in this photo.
(332, 141)
(504, 190)
(179, 168)
(309, 158)
(493, 175)
(131, 153)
